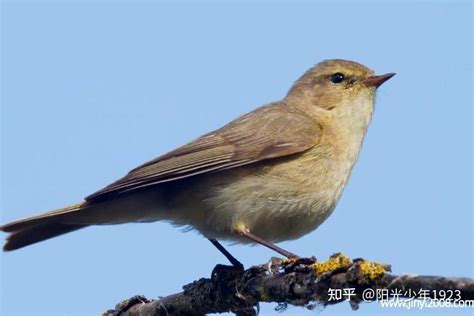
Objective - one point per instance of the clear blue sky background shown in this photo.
(92, 89)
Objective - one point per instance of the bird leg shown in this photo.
(236, 263)
(247, 234)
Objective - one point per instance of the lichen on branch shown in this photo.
(299, 282)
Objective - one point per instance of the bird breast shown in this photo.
(283, 198)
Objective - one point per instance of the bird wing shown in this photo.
(271, 131)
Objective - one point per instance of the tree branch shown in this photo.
(301, 282)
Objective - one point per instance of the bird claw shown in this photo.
(274, 264)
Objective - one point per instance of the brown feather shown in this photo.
(278, 130)
(37, 233)
(43, 218)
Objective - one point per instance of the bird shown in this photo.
(273, 174)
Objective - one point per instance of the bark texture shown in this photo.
(302, 282)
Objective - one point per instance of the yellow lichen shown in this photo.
(335, 262)
(264, 296)
(372, 269)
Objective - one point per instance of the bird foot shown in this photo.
(287, 264)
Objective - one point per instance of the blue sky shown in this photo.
(92, 89)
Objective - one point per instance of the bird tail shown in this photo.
(31, 230)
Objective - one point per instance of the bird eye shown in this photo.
(337, 77)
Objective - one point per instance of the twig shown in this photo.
(302, 282)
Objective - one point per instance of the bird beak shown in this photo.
(376, 81)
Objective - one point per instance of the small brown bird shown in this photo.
(273, 174)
